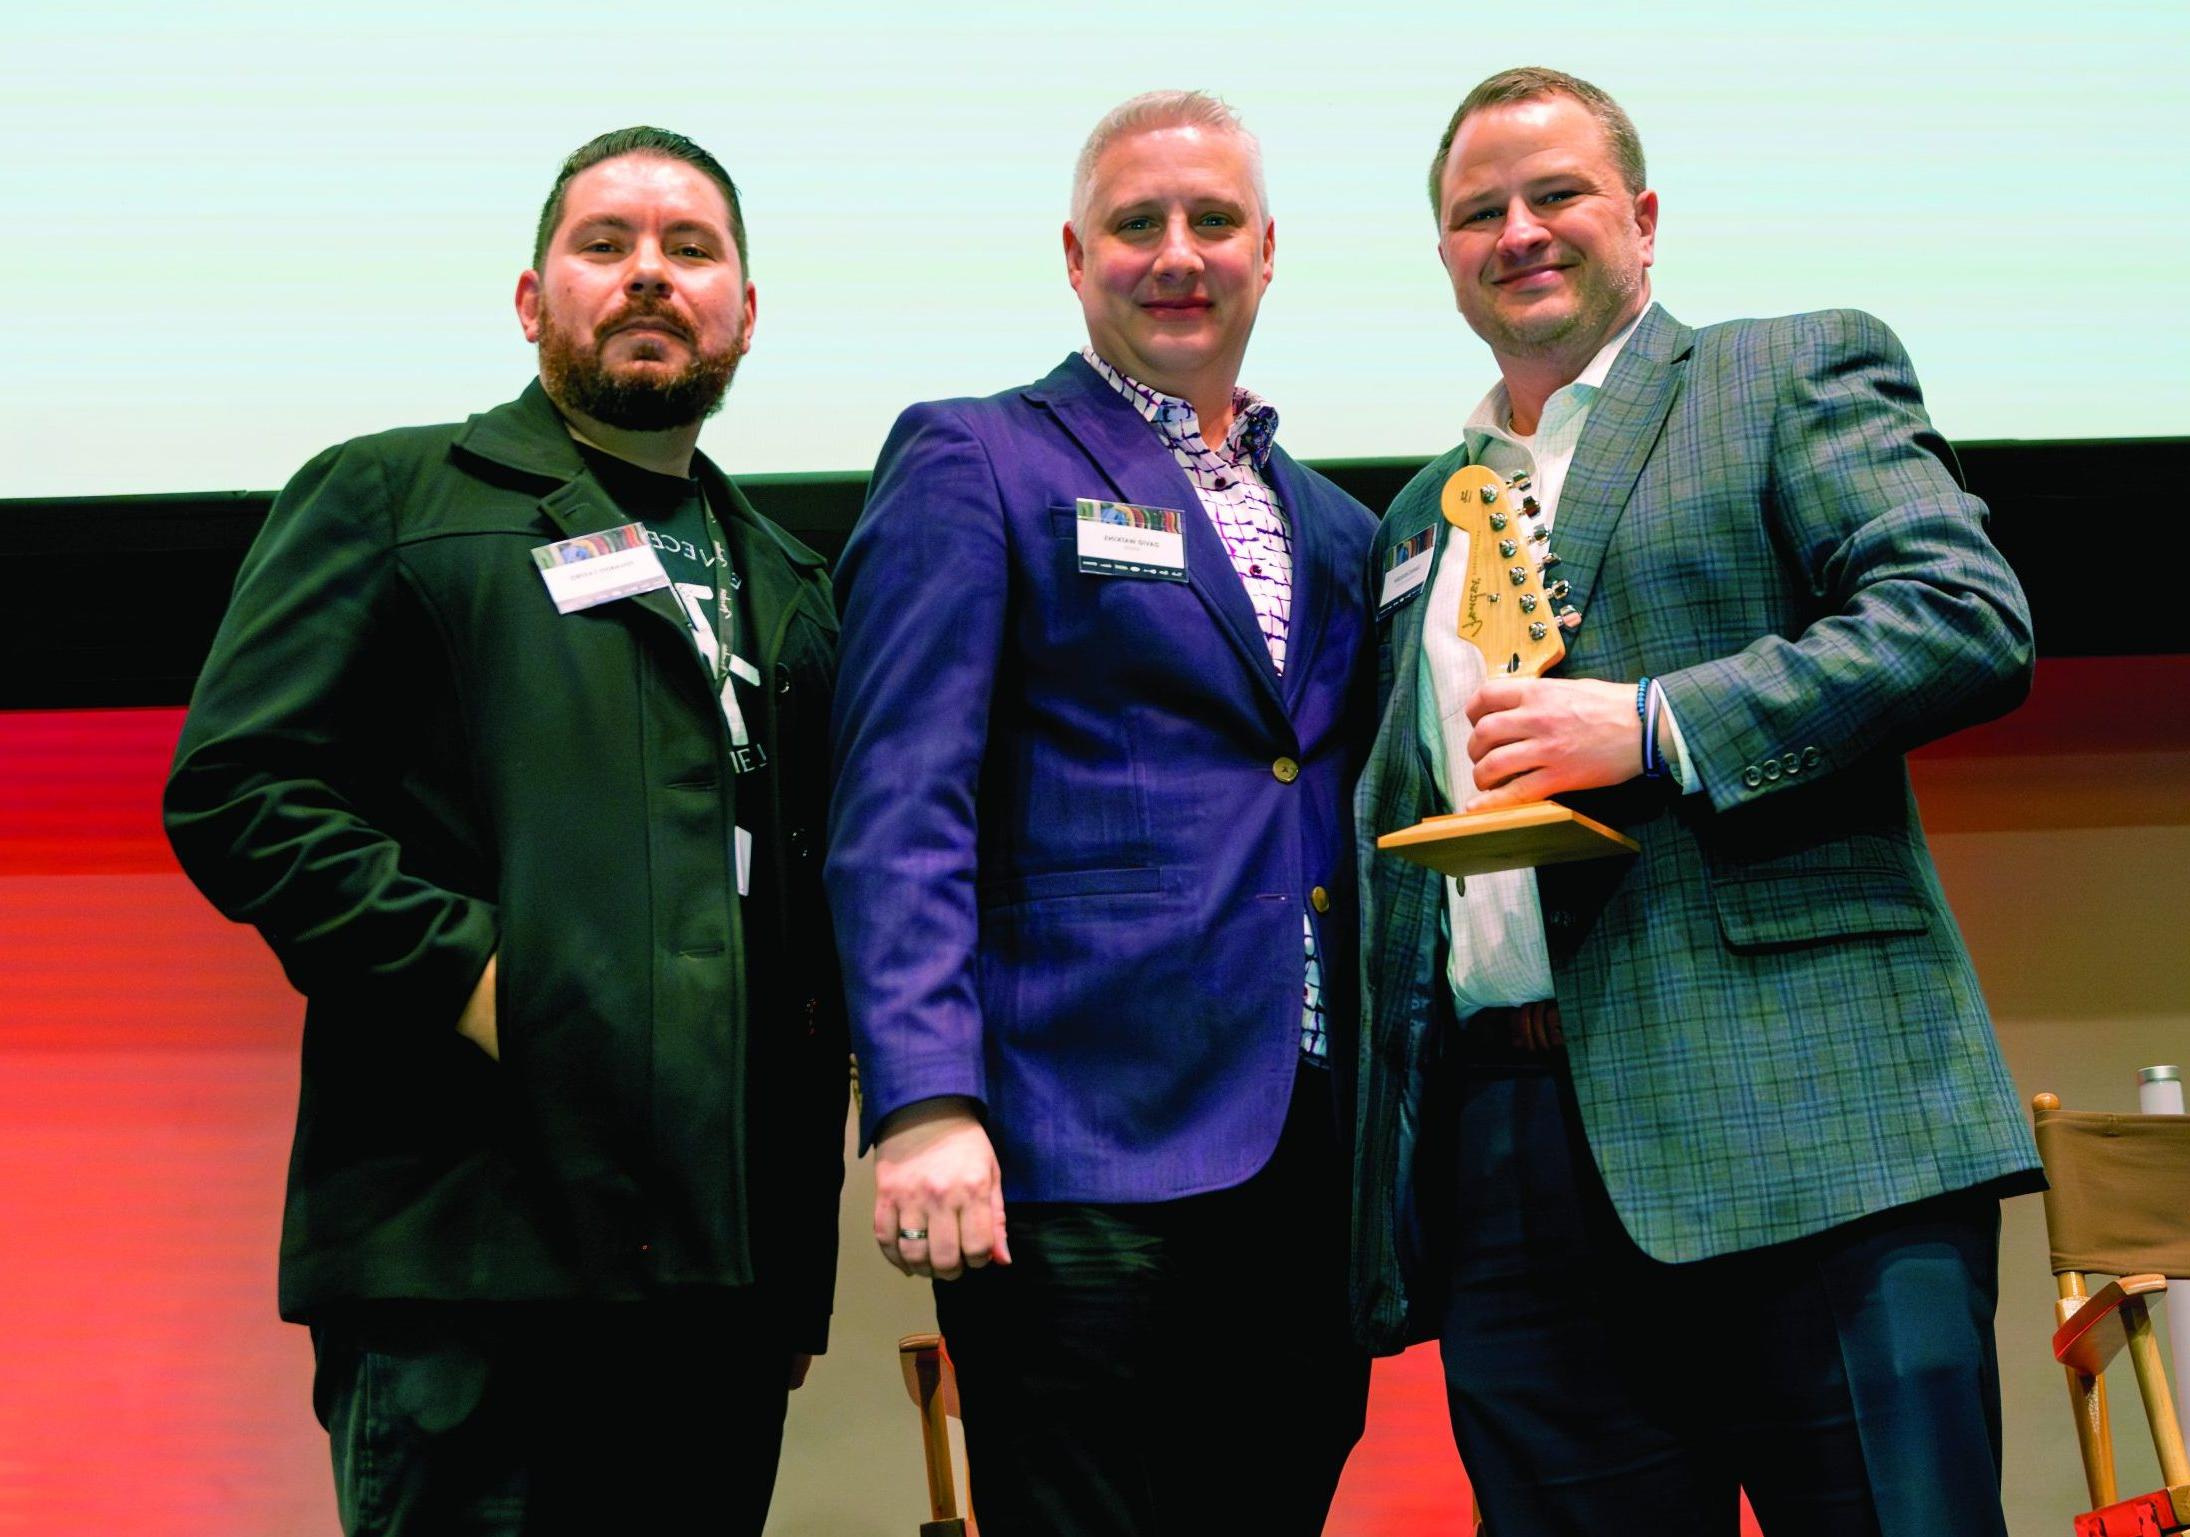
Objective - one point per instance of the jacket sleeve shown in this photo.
(1920, 626)
(260, 804)
(922, 591)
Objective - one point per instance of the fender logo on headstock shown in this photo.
(1508, 614)
(1516, 622)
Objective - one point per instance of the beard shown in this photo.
(1604, 296)
(639, 401)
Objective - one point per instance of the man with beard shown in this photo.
(1747, 1075)
(511, 744)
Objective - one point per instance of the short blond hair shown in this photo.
(1153, 110)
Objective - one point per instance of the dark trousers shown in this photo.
(1182, 1367)
(1847, 1380)
(480, 1420)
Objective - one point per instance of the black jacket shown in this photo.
(401, 760)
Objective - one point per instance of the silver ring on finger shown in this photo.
(912, 1235)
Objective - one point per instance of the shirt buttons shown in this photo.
(1254, 569)
(1285, 771)
(1319, 899)
(1791, 762)
(1771, 768)
(1810, 757)
(1752, 776)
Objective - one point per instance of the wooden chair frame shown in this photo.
(2091, 1329)
(934, 1390)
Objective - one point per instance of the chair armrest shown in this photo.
(926, 1365)
(910, 1353)
(2092, 1335)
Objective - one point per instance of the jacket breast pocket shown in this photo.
(1781, 908)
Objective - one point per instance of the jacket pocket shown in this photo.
(1794, 907)
(1051, 884)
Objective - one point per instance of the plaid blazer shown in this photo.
(1771, 1020)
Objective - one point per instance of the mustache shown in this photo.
(644, 309)
(1553, 260)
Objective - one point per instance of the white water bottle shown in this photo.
(2159, 1090)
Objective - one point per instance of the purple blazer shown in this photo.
(1069, 849)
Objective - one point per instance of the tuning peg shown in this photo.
(1560, 589)
(1520, 481)
(1490, 494)
(1539, 535)
(1569, 619)
(1508, 548)
(1547, 562)
(1538, 630)
(1530, 506)
(1498, 522)
(1528, 603)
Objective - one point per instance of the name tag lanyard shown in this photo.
(746, 755)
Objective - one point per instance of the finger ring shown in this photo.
(907, 1234)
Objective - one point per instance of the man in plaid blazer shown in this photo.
(1691, 1158)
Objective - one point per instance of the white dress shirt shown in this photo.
(1497, 950)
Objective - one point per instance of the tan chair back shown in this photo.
(2120, 1196)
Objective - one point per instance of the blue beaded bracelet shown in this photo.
(1646, 710)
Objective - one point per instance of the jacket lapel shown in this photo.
(527, 435)
(580, 506)
(1396, 734)
(1140, 470)
(768, 566)
(1624, 424)
(1312, 575)
(1396, 782)
(1408, 620)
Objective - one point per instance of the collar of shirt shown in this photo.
(1563, 413)
(1254, 420)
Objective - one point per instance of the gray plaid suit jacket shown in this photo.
(1771, 1020)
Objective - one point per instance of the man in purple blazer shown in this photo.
(1100, 705)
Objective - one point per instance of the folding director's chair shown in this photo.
(2119, 1206)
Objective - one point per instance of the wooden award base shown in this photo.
(1464, 843)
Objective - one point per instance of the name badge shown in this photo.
(1406, 568)
(1120, 539)
(599, 568)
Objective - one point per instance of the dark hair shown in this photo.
(1529, 83)
(659, 142)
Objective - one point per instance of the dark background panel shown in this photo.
(71, 635)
